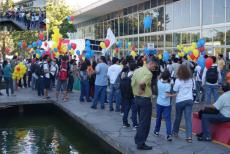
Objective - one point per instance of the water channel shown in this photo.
(45, 129)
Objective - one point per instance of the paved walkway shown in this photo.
(19, 24)
(108, 126)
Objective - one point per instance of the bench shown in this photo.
(220, 131)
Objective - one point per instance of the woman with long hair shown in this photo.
(183, 87)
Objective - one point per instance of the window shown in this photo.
(141, 22)
(147, 5)
(154, 14)
(207, 35)
(185, 13)
(176, 39)
(105, 28)
(116, 27)
(154, 3)
(147, 39)
(195, 36)
(161, 2)
(185, 38)
(168, 40)
(160, 40)
(126, 25)
(207, 12)
(141, 42)
(154, 40)
(228, 10)
(135, 23)
(177, 13)
(195, 14)
(218, 36)
(160, 24)
(219, 11)
(169, 16)
(130, 24)
(121, 26)
(228, 36)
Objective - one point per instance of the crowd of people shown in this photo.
(32, 19)
(130, 84)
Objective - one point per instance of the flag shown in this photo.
(111, 37)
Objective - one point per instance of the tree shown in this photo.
(6, 42)
(56, 13)
(66, 27)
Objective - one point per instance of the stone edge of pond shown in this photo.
(104, 136)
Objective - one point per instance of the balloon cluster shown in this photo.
(192, 52)
(70, 19)
(89, 53)
(149, 52)
(105, 44)
(19, 71)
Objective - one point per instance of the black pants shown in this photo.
(70, 83)
(144, 105)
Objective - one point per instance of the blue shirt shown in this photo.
(101, 74)
(163, 88)
(7, 71)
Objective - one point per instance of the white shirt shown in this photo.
(46, 67)
(184, 90)
(223, 104)
(198, 76)
(113, 72)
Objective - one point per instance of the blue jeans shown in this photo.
(84, 90)
(209, 91)
(99, 94)
(198, 90)
(40, 86)
(166, 112)
(206, 119)
(130, 104)
(115, 92)
(186, 107)
(9, 85)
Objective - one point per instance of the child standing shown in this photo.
(163, 105)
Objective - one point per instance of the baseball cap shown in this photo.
(228, 77)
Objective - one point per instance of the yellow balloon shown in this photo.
(16, 54)
(102, 45)
(83, 58)
(196, 53)
(160, 56)
(194, 45)
(133, 54)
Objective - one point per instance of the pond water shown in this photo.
(45, 129)
(9, 26)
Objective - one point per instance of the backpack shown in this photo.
(212, 75)
(63, 73)
(39, 71)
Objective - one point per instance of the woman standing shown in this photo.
(84, 80)
(7, 74)
(184, 86)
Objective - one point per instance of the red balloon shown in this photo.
(24, 45)
(116, 50)
(208, 63)
(201, 49)
(46, 44)
(72, 18)
(192, 56)
(41, 36)
(74, 46)
(107, 43)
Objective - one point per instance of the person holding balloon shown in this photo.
(210, 79)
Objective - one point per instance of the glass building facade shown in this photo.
(174, 22)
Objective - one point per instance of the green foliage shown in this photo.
(66, 27)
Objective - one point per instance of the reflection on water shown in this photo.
(41, 132)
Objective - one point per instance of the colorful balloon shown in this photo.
(107, 43)
(102, 45)
(208, 63)
(78, 52)
(74, 46)
(147, 22)
(166, 56)
(196, 53)
(41, 36)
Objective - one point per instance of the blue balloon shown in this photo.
(69, 47)
(119, 43)
(20, 44)
(147, 22)
(37, 51)
(166, 56)
(87, 49)
(39, 43)
(30, 46)
(146, 51)
(201, 42)
(87, 43)
(34, 44)
(201, 61)
(68, 18)
(55, 50)
(78, 52)
(88, 55)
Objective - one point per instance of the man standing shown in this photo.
(114, 78)
(100, 83)
(141, 85)
(46, 77)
